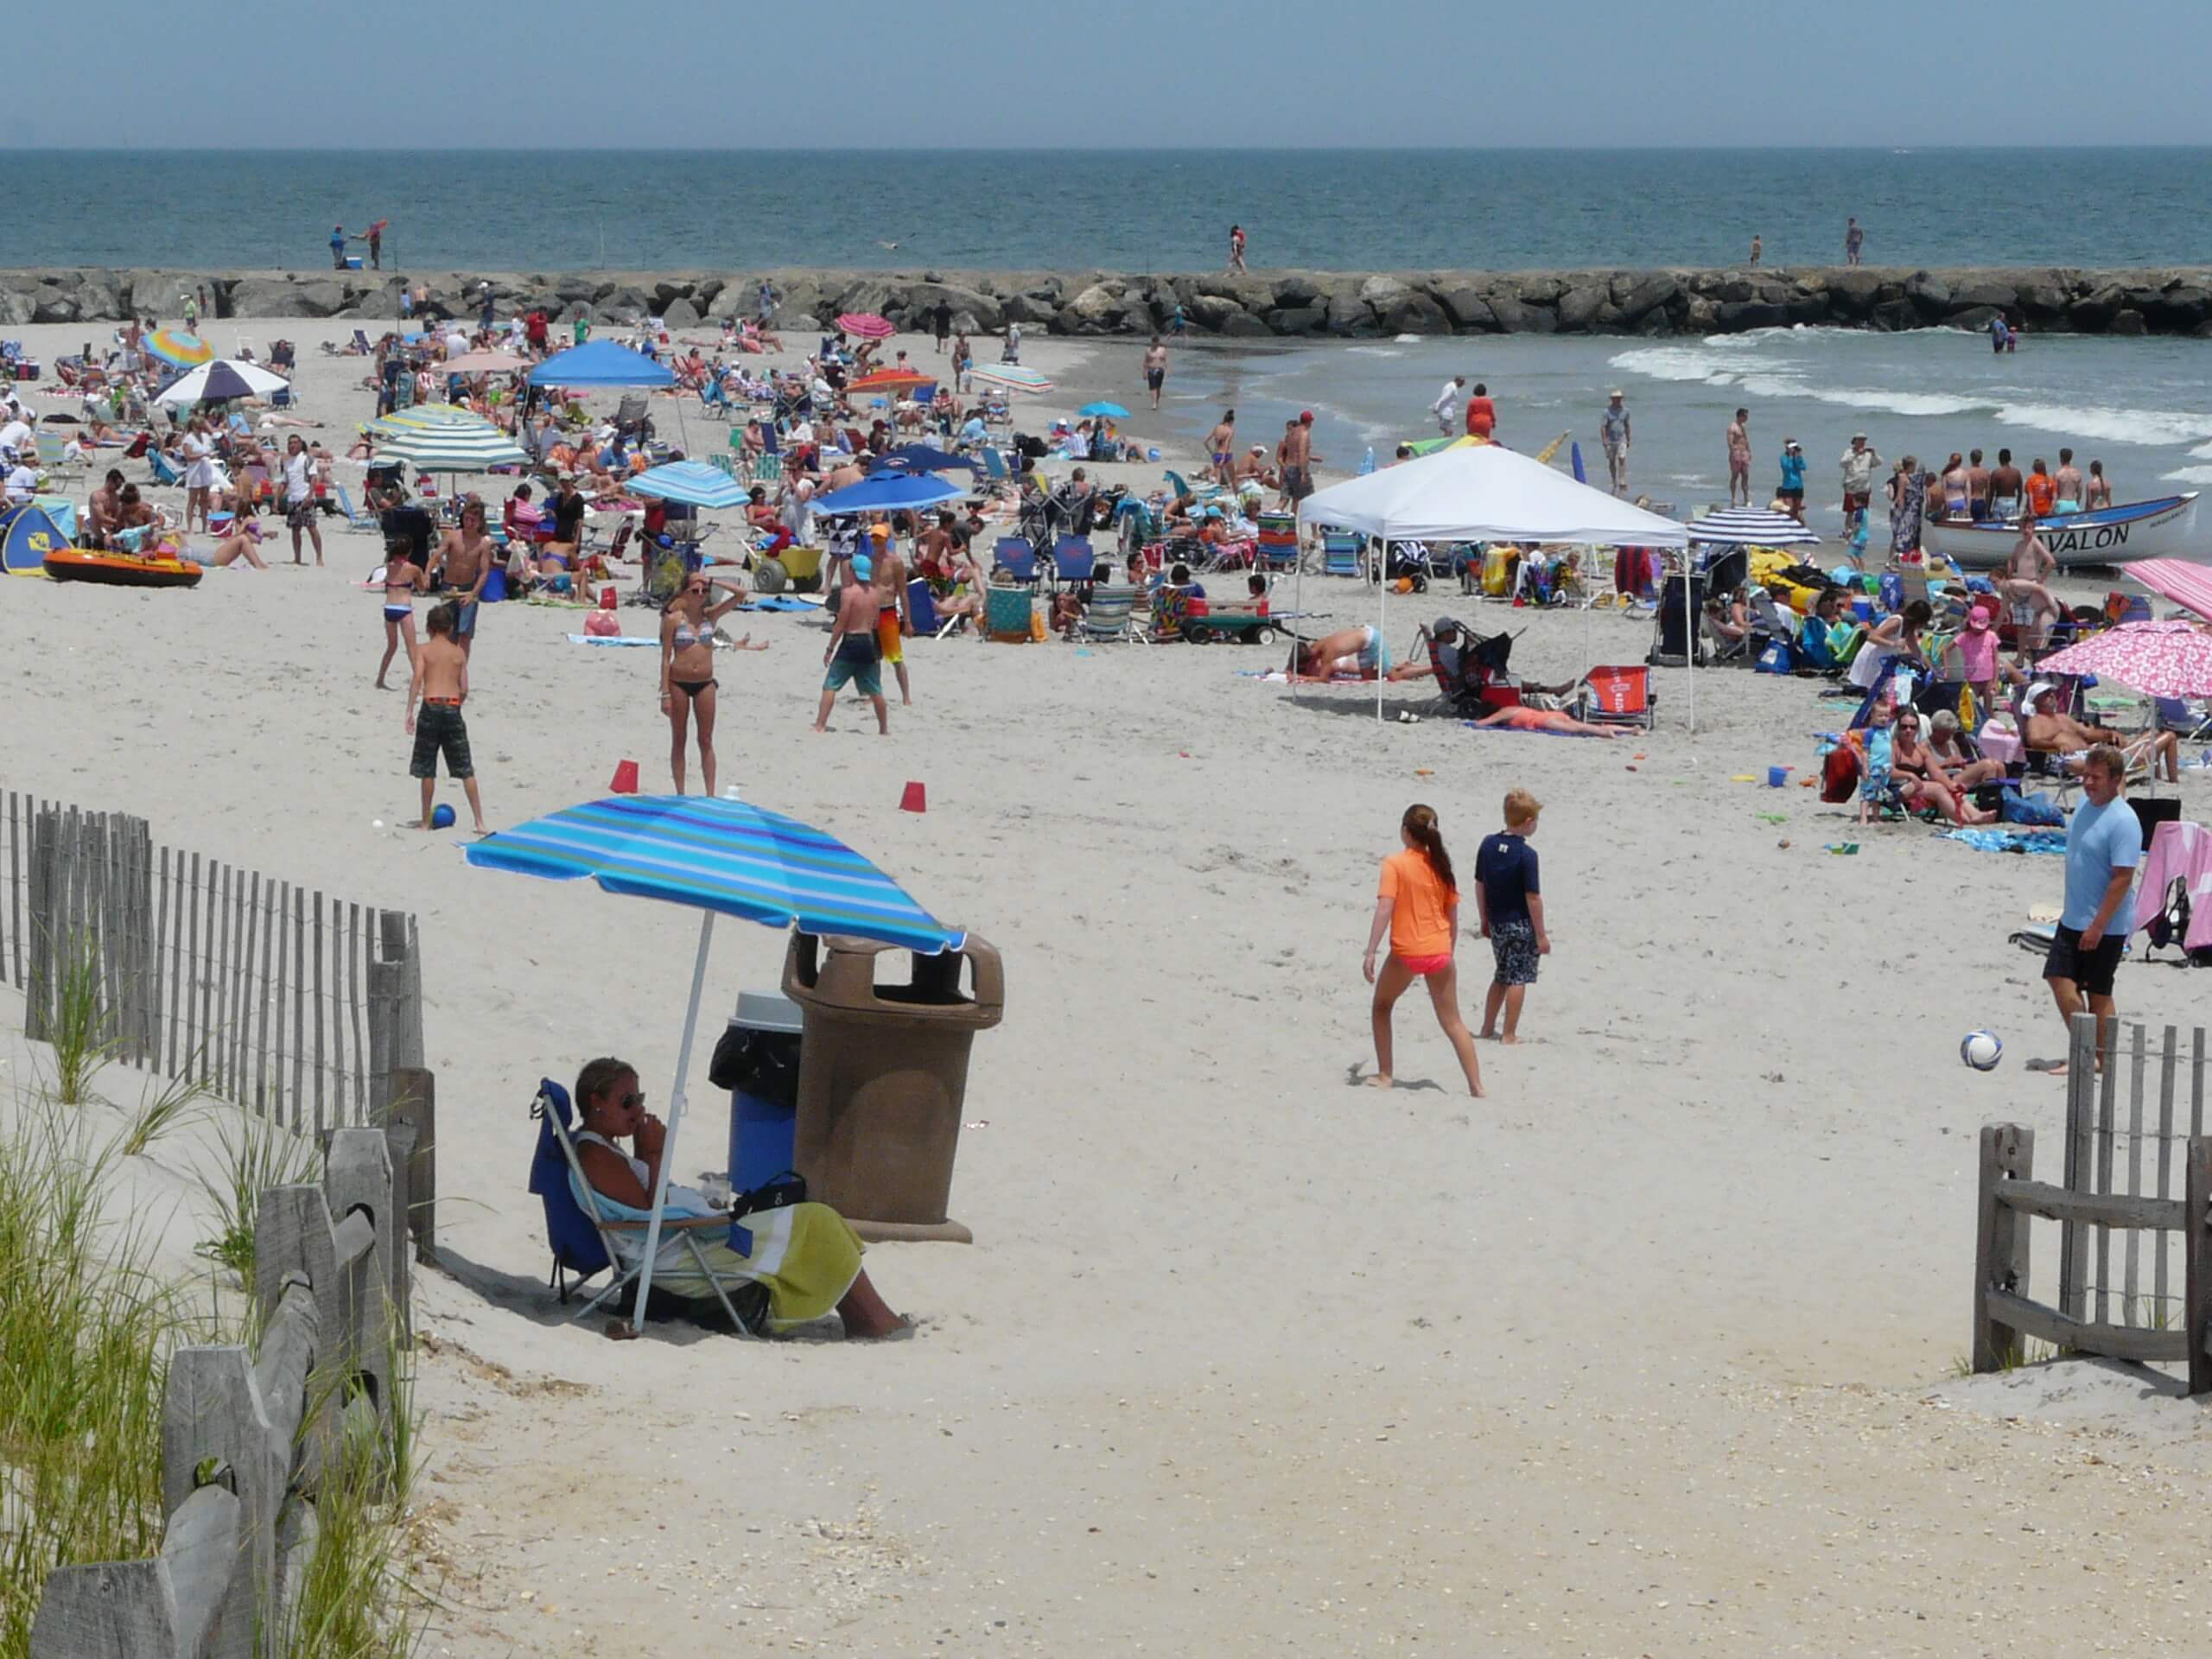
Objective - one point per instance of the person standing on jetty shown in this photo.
(1740, 459)
(1854, 239)
(1236, 247)
(1614, 435)
(1755, 252)
(1417, 907)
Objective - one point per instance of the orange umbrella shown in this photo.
(890, 380)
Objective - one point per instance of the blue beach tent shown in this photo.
(27, 536)
(601, 363)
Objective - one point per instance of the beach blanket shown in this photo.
(780, 602)
(2003, 841)
(1530, 731)
(615, 639)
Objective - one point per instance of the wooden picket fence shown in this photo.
(264, 992)
(246, 1438)
(2160, 1213)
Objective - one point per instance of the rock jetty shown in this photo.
(1258, 306)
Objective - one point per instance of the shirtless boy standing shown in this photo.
(442, 682)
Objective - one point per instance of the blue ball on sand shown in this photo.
(441, 818)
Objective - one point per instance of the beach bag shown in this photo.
(2170, 924)
(603, 624)
(2037, 809)
(1777, 659)
(1840, 773)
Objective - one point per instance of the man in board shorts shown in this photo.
(853, 656)
(891, 619)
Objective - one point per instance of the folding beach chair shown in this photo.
(2174, 715)
(921, 610)
(586, 1235)
(355, 519)
(163, 473)
(1015, 556)
(995, 465)
(1340, 556)
(1007, 612)
(1620, 695)
(1111, 616)
(1074, 564)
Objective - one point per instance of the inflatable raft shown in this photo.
(120, 569)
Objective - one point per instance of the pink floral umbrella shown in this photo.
(866, 325)
(2160, 659)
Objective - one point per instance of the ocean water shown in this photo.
(2144, 407)
(1140, 210)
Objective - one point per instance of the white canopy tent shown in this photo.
(1482, 492)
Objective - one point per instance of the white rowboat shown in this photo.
(2116, 535)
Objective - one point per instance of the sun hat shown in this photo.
(2039, 690)
(1616, 392)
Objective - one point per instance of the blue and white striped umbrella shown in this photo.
(726, 856)
(722, 858)
(1751, 527)
(692, 482)
(443, 438)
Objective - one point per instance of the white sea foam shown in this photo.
(1376, 351)
(1695, 364)
(2153, 428)
(2188, 475)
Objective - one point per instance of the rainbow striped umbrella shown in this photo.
(722, 858)
(178, 349)
(1011, 376)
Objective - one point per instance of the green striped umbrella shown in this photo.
(443, 438)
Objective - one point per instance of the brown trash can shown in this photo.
(883, 1076)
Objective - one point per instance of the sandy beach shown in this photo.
(1654, 1350)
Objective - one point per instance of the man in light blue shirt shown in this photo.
(2104, 843)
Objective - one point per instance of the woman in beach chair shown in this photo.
(803, 1255)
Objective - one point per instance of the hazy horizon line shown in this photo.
(1077, 149)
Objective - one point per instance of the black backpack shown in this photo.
(2170, 926)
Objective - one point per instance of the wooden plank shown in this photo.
(165, 951)
(2130, 1279)
(338, 1111)
(218, 1034)
(241, 1043)
(194, 1012)
(210, 1409)
(199, 1553)
(321, 1120)
(15, 883)
(2196, 1261)
(2072, 1335)
(274, 971)
(2197, 1085)
(38, 986)
(2008, 1154)
(2107, 1093)
(298, 1535)
(289, 1343)
(299, 1003)
(2080, 1105)
(270, 1107)
(2119, 1210)
(293, 1239)
(359, 1182)
(414, 1103)
(241, 964)
(165, 1606)
(354, 1001)
(2168, 1066)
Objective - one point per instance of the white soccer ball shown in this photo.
(1981, 1050)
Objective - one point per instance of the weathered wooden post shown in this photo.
(414, 1103)
(213, 1409)
(119, 1609)
(2196, 1263)
(2000, 1257)
(357, 1183)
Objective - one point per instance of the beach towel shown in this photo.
(2001, 841)
(615, 639)
(780, 602)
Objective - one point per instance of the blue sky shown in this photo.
(1204, 74)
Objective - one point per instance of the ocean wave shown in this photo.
(2188, 475)
(1695, 364)
(1375, 351)
(2153, 428)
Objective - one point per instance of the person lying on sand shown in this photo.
(1524, 719)
(1357, 653)
(804, 1259)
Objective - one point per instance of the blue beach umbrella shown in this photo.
(925, 458)
(1108, 411)
(1575, 453)
(890, 491)
(720, 858)
(601, 363)
(691, 482)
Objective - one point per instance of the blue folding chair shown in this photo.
(1015, 556)
(1074, 564)
(921, 609)
(1340, 556)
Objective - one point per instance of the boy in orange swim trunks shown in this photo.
(892, 621)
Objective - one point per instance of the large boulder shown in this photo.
(2179, 308)
(1242, 325)
(17, 305)
(1739, 316)
(1294, 290)
(1539, 290)
(1210, 311)
(2093, 314)
(379, 305)
(680, 313)
(100, 295)
(923, 299)
(1971, 316)
(2127, 322)
(1416, 314)
(1470, 312)
(1931, 294)
(2043, 301)
(569, 289)
(1894, 316)
(2001, 296)
(1298, 319)
(1095, 305)
(1349, 315)
(1701, 316)
(1379, 293)
(1510, 314)
(1851, 292)
(54, 304)
(1578, 307)
(281, 296)
(1647, 293)
(1028, 308)
(624, 302)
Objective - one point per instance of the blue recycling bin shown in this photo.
(761, 1048)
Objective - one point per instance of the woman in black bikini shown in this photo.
(1923, 778)
(687, 666)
